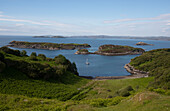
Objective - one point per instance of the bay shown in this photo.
(99, 65)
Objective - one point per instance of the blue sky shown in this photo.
(85, 17)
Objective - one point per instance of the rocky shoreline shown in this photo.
(47, 46)
(134, 74)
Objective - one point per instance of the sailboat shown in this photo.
(87, 63)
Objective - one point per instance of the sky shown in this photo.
(85, 17)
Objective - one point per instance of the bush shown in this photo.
(2, 66)
(23, 53)
(60, 59)
(124, 92)
(34, 54)
(42, 56)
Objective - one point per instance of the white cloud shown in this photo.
(20, 20)
(160, 17)
(19, 24)
(4, 29)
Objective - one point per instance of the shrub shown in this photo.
(159, 90)
(2, 66)
(60, 59)
(124, 92)
(23, 53)
(34, 54)
(42, 56)
(10, 51)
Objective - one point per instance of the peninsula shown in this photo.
(113, 50)
(48, 46)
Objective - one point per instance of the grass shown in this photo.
(106, 88)
(82, 95)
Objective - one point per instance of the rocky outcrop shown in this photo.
(83, 52)
(142, 43)
(134, 71)
(48, 46)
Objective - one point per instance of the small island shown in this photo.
(142, 43)
(82, 51)
(49, 36)
(48, 46)
(113, 50)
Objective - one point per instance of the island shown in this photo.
(113, 50)
(48, 46)
(82, 51)
(142, 43)
(49, 36)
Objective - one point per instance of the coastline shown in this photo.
(134, 74)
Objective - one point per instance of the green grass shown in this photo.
(106, 88)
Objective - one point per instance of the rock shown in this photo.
(134, 71)
(142, 43)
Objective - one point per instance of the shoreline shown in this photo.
(134, 74)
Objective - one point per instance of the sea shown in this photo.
(100, 65)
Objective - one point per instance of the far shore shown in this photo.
(116, 77)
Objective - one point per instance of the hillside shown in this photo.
(157, 63)
(36, 82)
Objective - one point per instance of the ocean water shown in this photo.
(99, 65)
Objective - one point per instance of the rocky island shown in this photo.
(142, 43)
(48, 46)
(113, 50)
(49, 36)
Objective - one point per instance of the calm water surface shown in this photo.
(99, 65)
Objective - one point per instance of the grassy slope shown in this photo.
(15, 82)
(140, 100)
(157, 63)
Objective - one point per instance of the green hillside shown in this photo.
(35, 82)
(157, 63)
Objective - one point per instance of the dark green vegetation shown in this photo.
(38, 67)
(37, 82)
(49, 46)
(118, 49)
(157, 63)
(83, 50)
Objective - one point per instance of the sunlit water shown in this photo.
(99, 65)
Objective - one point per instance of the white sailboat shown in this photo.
(87, 63)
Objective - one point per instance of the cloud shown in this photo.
(160, 17)
(20, 20)
(4, 29)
